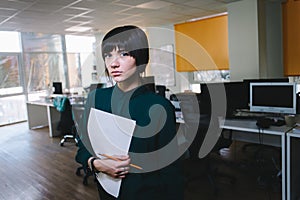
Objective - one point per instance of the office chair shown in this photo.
(224, 141)
(86, 171)
(161, 90)
(267, 163)
(66, 124)
(197, 117)
(77, 115)
(195, 167)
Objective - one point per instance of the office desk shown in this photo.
(42, 114)
(249, 126)
(293, 165)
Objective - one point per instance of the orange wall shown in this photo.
(202, 45)
(291, 37)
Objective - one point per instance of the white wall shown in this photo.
(243, 40)
(272, 30)
(255, 39)
(160, 36)
(87, 69)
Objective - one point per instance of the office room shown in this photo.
(52, 51)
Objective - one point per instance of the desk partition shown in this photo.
(293, 165)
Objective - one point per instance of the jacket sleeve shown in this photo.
(85, 151)
(171, 175)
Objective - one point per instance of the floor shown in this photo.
(34, 166)
(237, 175)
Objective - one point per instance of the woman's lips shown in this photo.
(116, 73)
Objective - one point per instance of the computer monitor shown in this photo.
(57, 87)
(261, 80)
(236, 95)
(273, 97)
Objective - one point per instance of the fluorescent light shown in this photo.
(78, 29)
(154, 5)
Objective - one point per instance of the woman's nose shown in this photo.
(115, 63)
(114, 66)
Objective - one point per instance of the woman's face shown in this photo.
(120, 65)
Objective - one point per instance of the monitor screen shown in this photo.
(236, 95)
(273, 97)
(57, 88)
(260, 80)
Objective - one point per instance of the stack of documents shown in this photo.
(109, 134)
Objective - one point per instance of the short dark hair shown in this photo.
(130, 38)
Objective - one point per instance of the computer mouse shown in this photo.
(264, 123)
(279, 122)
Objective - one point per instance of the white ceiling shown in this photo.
(88, 16)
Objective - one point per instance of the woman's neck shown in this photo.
(130, 84)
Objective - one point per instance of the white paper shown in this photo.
(109, 134)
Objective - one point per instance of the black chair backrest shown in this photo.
(66, 122)
(161, 90)
(196, 122)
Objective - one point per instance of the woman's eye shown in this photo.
(107, 55)
(125, 53)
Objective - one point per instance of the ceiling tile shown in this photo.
(101, 15)
(7, 11)
(59, 2)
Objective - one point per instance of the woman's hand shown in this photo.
(113, 168)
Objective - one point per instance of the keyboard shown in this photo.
(244, 117)
(247, 115)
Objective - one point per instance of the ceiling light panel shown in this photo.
(131, 2)
(154, 5)
(78, 29)
(73, 11)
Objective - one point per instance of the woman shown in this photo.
(125, 52)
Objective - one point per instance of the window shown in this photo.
(80, 55)
(9, 41)
(9, 74)
(12, 98)
(41, 69)
(43, 63)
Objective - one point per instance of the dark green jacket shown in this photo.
(155, 129)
